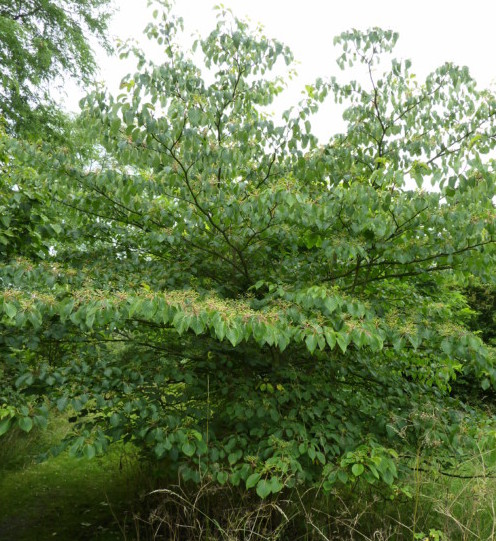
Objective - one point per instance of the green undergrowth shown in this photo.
(109, 498)
(63, 497)
(461, 505)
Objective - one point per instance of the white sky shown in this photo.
(431, 32)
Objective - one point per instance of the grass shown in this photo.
(464, 507)
(64, 498)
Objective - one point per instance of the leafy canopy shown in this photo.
(239, 301)
(42, 41)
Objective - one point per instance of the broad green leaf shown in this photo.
(264, 488)
(4, 425)
(234, 335)
(89, 451)
(330, 337)
(222, 477)
(311, 342)
(275, 485)
(321, 457)
(357, 469)
(388, 477)
(252, 480)
(188, 448)
(10, 310)
(342, 476)
(62, 403)
(25, 423)
(343, 340)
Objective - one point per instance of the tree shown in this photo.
(257, 308)
(41, 42)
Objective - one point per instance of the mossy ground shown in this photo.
(64, 498)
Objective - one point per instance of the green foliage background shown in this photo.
(42, 42)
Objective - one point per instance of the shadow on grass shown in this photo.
(65, 498)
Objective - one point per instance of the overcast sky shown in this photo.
(431, 32)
